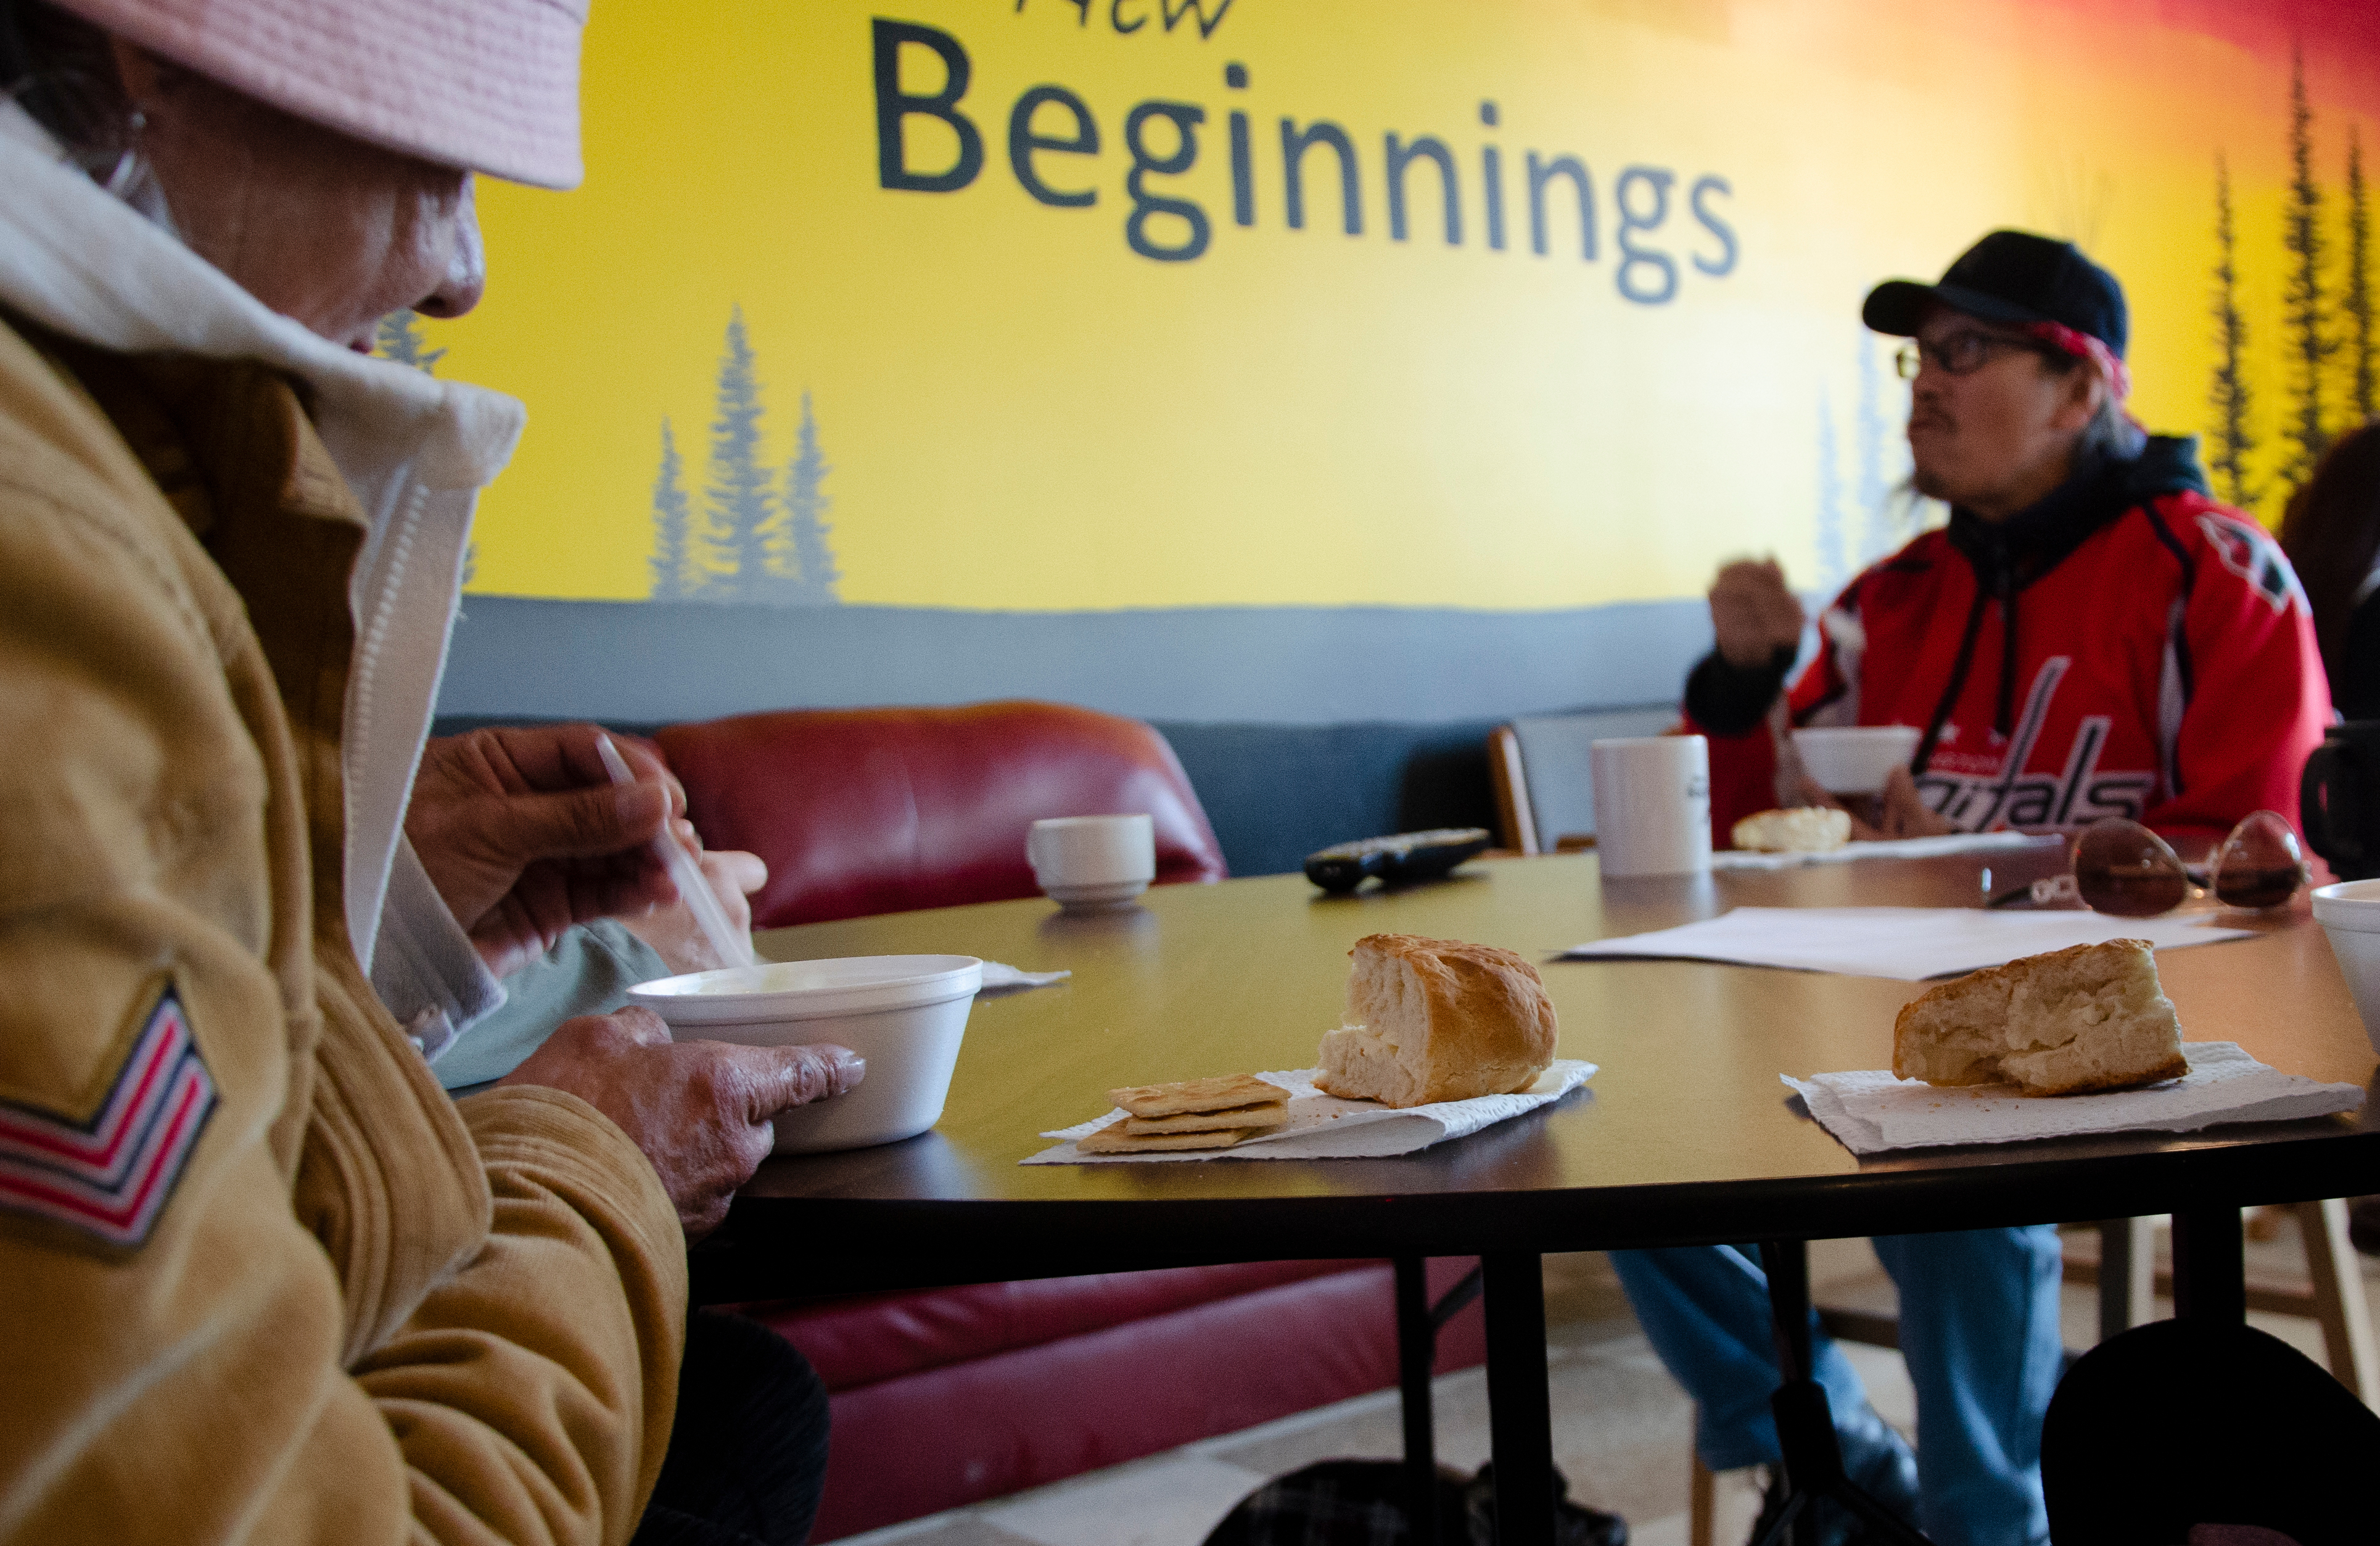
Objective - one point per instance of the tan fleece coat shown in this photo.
(363, 1313)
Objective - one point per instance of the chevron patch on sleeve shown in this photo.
(109, 1175)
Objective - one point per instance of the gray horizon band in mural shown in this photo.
(645, 661)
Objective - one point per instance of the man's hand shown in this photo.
(1906, 814)
(672, 931)
(524, 834)
(699, 1110)
(1753, 614)
(1902, 811)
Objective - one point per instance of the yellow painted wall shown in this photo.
(1021, 412)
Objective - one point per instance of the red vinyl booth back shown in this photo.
(876, 810)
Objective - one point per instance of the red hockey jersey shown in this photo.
(2162, 666)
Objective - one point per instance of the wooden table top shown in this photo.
(1684, 1136)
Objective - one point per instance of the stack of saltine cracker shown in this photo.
(1194, 1113)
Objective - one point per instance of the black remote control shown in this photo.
(1407, 856)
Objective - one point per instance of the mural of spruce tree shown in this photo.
(2355, 301)
(2227, 394)
(2305, 308)
(1886, 521)
(399, 338)
(675, 572)
(1879, 497)
(742, 492)
(753, 545)
(1831, 568)
(807, 562)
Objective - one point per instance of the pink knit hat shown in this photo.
(491, 85)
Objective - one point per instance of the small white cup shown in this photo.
(1092, 861)
(1652, 805)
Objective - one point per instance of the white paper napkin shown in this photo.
(1900, 847)
(1870, 1112)
(999, 977)
(1325, 1128)
(1909, 944)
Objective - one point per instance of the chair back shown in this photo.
(874, 810)
(1545, 789)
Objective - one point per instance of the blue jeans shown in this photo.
(1979, 1331)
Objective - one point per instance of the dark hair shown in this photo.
(59, 68)
(2332, 535)
(2111, 435)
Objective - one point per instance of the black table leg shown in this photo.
(2209, 1275)
(1416, 1353)
(1520, 1417)
(1805, 1429)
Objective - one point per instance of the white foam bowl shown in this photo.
(905, 1015)
(1855, 759)
(2349, 912)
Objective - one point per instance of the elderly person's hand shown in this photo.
(672, 931)
(699, 1110)
(524, 834)
(1753, 614)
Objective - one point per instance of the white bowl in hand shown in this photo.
(1855, 759)
(2349, 913)
(905, 1015)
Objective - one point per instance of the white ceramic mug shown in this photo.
(1652, 805)
(1093, 861)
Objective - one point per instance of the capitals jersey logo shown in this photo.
(2077, 794)
(2249, 552)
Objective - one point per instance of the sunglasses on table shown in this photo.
(2122, 869)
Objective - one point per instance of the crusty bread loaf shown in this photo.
(1809, 829)
(1436, 1020)
(2088, 1018)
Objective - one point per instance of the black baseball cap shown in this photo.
(2016, 278)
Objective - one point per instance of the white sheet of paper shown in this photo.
(1325, 1128)
(1870, 1112)
(1908, 944)
(1900, 847)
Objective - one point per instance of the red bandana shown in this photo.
(2084, 347)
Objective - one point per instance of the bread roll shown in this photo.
(1810, 829)
(2088, 1018)
(1435, 1020)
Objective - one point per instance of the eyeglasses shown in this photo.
(1961, 353)
(2122, 869)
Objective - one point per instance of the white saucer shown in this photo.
(1095, 898)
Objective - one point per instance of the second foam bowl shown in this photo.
(1856, 759)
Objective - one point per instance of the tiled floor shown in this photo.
(1621, 1425)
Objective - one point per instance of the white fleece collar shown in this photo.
(415, 450)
